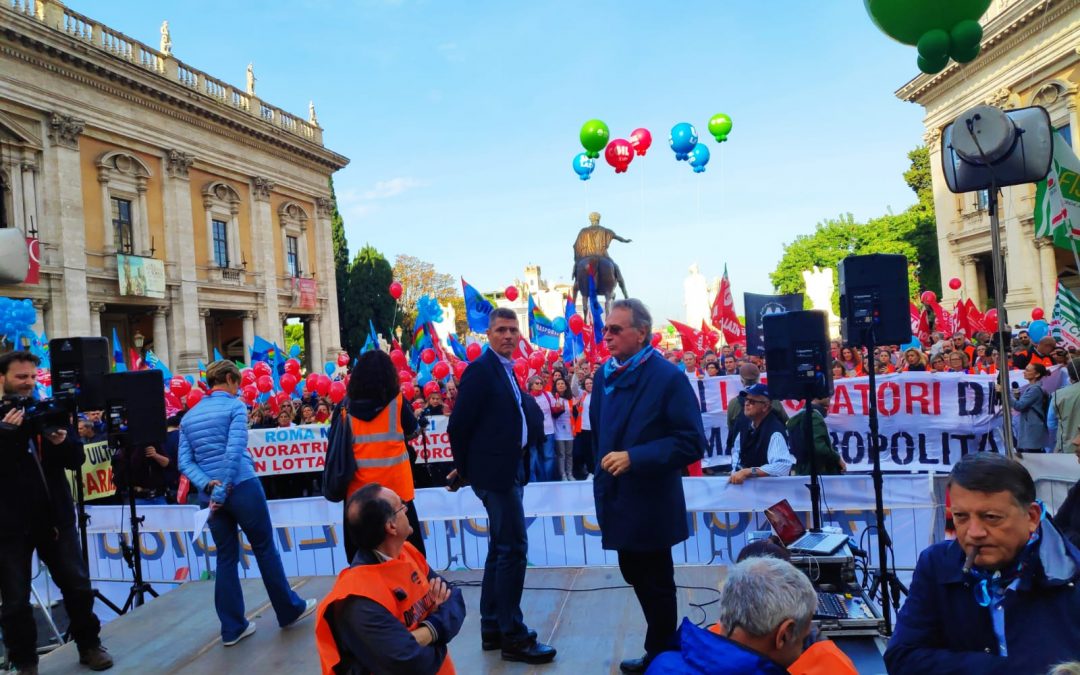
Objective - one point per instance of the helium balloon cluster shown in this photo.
(684, 141)
(16, 318)
(939, 29)
(618, 153)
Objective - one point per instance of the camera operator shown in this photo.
(37, 513)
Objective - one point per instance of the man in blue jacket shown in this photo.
(1002, 597)
(214, 457)
(646, 430)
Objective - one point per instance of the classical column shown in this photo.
(180, 254)
(248, 320)
(161, 334)
(315, 351)
(66, 229)
(235, 254)
(971, 277)
(1047, 271)
(262, 223)
(204, 316)
(96, 308)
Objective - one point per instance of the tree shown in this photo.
(294, 335)
(368, 298)
(341, 260)
(912, 233)
(461, 319)
(419, 278)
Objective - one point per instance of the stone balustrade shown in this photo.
(54, 14)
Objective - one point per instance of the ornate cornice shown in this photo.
(64, 130)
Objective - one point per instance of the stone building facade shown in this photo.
(126, 163)
(1030, 56)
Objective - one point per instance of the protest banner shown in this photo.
(926, 420)
(97, 472)
(436, 448)
(285, 450)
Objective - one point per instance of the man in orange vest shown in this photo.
(389, 612)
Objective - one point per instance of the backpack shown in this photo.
(340, 466)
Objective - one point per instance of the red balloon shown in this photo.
(440, 370)
(311, 381)
(337, 391)
(576, 323)
(261, 368)
(247, 376)
(955, 284)
(619, 154)
(431, 388)
(521, 367)
(343, 359)
(552, 356)
(428, 356)
(991, 320)
(418, 406)
(179, 386)
(398, 358)
(275, 407)
(289, 382)
(193, 398)
(172, 403)
(404, 375)
(536, 360)
(395, 290)
(657, 338)
(407, 390)
(293, 366)
(264, 383)
(250, 393)
(323, 385)
(473, 351)
(640, 140)
(281, 397)
(511, 293)
(1037, 314)
(459, 369)
(928, 297)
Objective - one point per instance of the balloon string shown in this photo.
(641, 210)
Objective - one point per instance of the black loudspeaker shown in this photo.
(78, 368)
(797, 354)
(135, 408)
(874, 293)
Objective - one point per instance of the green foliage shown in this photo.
(419, 278)
(367, 298)
(294, 335)
(912, 233)
(341, 261)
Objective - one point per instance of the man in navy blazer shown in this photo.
(491, 428)
(646, 430)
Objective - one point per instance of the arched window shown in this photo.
(292, 218)
(221, 205)
(123, 178)
(1054, 96)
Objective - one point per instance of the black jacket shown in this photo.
(485, 426)
(1067, 518)
(35, 498)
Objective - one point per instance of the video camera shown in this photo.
(44, 416)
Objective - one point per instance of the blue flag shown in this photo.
(39, 347)
(457, 347)
(119, 365)
(541, 332)
(573, 345)
(262, 350)
(155, 363)
(217, 355)
(596, 312)
(477, 308)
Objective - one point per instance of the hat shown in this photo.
(757, 390)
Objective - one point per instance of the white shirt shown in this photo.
(508, 366)
(586, 424)
(544, 400)
(780, 458)
(563, 432)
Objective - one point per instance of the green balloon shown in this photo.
(965, 38)
(934, 45)
(932, 66)
(594, 137)
(720, 127)
(907, 20)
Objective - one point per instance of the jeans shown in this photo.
(63, 556)
(565, 453)
(583, 454)
(246, 507)
(504, 569)
(652, 574)
(544, 466)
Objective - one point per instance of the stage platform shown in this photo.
(592, 629)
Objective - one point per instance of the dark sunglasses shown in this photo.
(612, 330)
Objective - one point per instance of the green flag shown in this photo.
(1065, 322)
(1057, 198)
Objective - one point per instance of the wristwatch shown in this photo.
(754, 471)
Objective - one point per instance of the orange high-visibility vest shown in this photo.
(380, 452)
(820, 658)
(1036, 357)
(405, 577)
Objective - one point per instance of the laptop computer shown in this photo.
(793, 533)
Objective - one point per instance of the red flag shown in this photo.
(975, 317)
(33, 272)
(691, 339)
(136, 360)
(724, 316)
(924, 329)
(913, 311)
(523, 349)
(943, 322)
(709, 337)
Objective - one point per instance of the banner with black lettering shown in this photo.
(97, 472)
(433, 446)
(297, 449)
(925, 420)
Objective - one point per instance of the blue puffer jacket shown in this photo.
(213, 444)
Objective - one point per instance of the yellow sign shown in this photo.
(97, 472)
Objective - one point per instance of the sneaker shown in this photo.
(94, 658)
(250, 630)
(309, 607)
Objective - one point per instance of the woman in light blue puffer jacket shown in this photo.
(214, 457)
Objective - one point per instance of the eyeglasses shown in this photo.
(399, 510)
(755, 402)
(612, 329)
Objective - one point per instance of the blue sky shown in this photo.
(461, 120)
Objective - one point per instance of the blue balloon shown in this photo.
(583, 166)
(699, 157)
(559, 324)
(294, 352)
(329, 368)
(683, 138)
(1037, 330)
(190, 379)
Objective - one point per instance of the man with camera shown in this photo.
(37, 514)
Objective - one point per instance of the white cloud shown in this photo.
(362, 203)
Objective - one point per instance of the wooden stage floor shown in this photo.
(593, 630)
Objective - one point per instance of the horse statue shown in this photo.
(591, 259)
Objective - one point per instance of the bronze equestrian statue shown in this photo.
(591, 256)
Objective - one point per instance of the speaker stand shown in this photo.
(815, 480)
